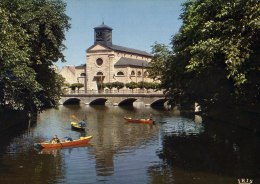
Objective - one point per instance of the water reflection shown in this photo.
(112, 135)
(216, 155)
(182, 126)
(181, 150)
(18, 159)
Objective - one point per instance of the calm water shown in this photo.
(179, 150)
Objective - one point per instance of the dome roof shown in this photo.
(103, 26)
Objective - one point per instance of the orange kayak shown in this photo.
(80, 141)
(145, 121)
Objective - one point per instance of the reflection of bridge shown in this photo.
(153, 99)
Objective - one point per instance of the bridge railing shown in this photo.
(124, 91)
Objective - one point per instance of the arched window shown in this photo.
(82, 75)
(132, 72)
(139, 73)
(99, 73)
(120, 73)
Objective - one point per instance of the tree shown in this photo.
(155, 86)
(18, 88)
(118, 85)
(216, 53)
(140, 84)
(146, 85)
(32, 33)
(157, 66)
(76, 85)
(131, 85)
(109, 85)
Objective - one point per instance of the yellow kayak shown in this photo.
(76, 126)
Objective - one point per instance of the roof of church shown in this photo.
(129, 50)
(103, 26)
(123, 49)
(131, 62)
(81, 66)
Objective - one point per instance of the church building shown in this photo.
(107, 62)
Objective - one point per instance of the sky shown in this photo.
(136, 24)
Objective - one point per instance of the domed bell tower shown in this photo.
(103, 34)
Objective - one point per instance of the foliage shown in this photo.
(131, 85)
(157, 66)
(76, 85)
(155, 85)
(217, 52)
(109, 85)
(140, 85)
(118, 85)
(31, 35)
(146, 85)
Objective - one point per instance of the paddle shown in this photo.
(79, 121)
(73, 116)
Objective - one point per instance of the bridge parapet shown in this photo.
(115, 98)
(124, 91)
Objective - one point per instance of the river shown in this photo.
(177, 150)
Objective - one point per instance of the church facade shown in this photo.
(107, 62)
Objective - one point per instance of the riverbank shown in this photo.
(243, 117)
(10, 120)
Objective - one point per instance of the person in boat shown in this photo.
(68, 138)
(55, 139)
(82, 123)
(151, 117)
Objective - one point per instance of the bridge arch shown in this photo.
(158, 103)
(128, 101)
(71, 101)
(98, 101)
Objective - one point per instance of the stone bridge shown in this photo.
(114, 99)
